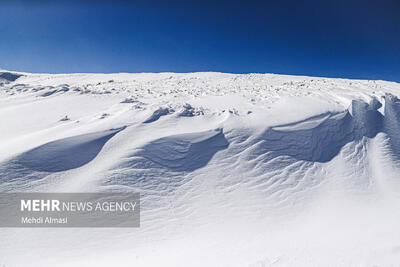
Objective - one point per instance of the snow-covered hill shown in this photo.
(233, 169)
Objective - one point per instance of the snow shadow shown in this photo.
(181, 153)
(392, 123)
(65, 154)
(10, 77)
(157, 114)
(321, 138)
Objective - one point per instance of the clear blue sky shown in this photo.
(353, 38)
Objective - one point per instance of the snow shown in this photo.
(233, 169)
(65, 154)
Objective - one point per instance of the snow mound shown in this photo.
(158, 114)
(189, 111)
(61, 89)
(128, 100)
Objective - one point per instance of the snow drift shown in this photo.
(233, 170)
(65, 154)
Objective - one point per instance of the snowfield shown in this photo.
(250, 170)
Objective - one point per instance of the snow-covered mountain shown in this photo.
(233, 169)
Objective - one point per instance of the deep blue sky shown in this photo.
(353, 38)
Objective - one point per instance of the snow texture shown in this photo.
(232, 169)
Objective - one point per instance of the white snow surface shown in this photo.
(233, 169)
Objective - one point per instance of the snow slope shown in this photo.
(233, 169)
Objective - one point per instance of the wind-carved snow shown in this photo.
(321, 138)
(9, 76)
(233, 169)
(392, 123)
(56, 156)
(65, 154)
(158, 113)
(161, 164)
(185, 152)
